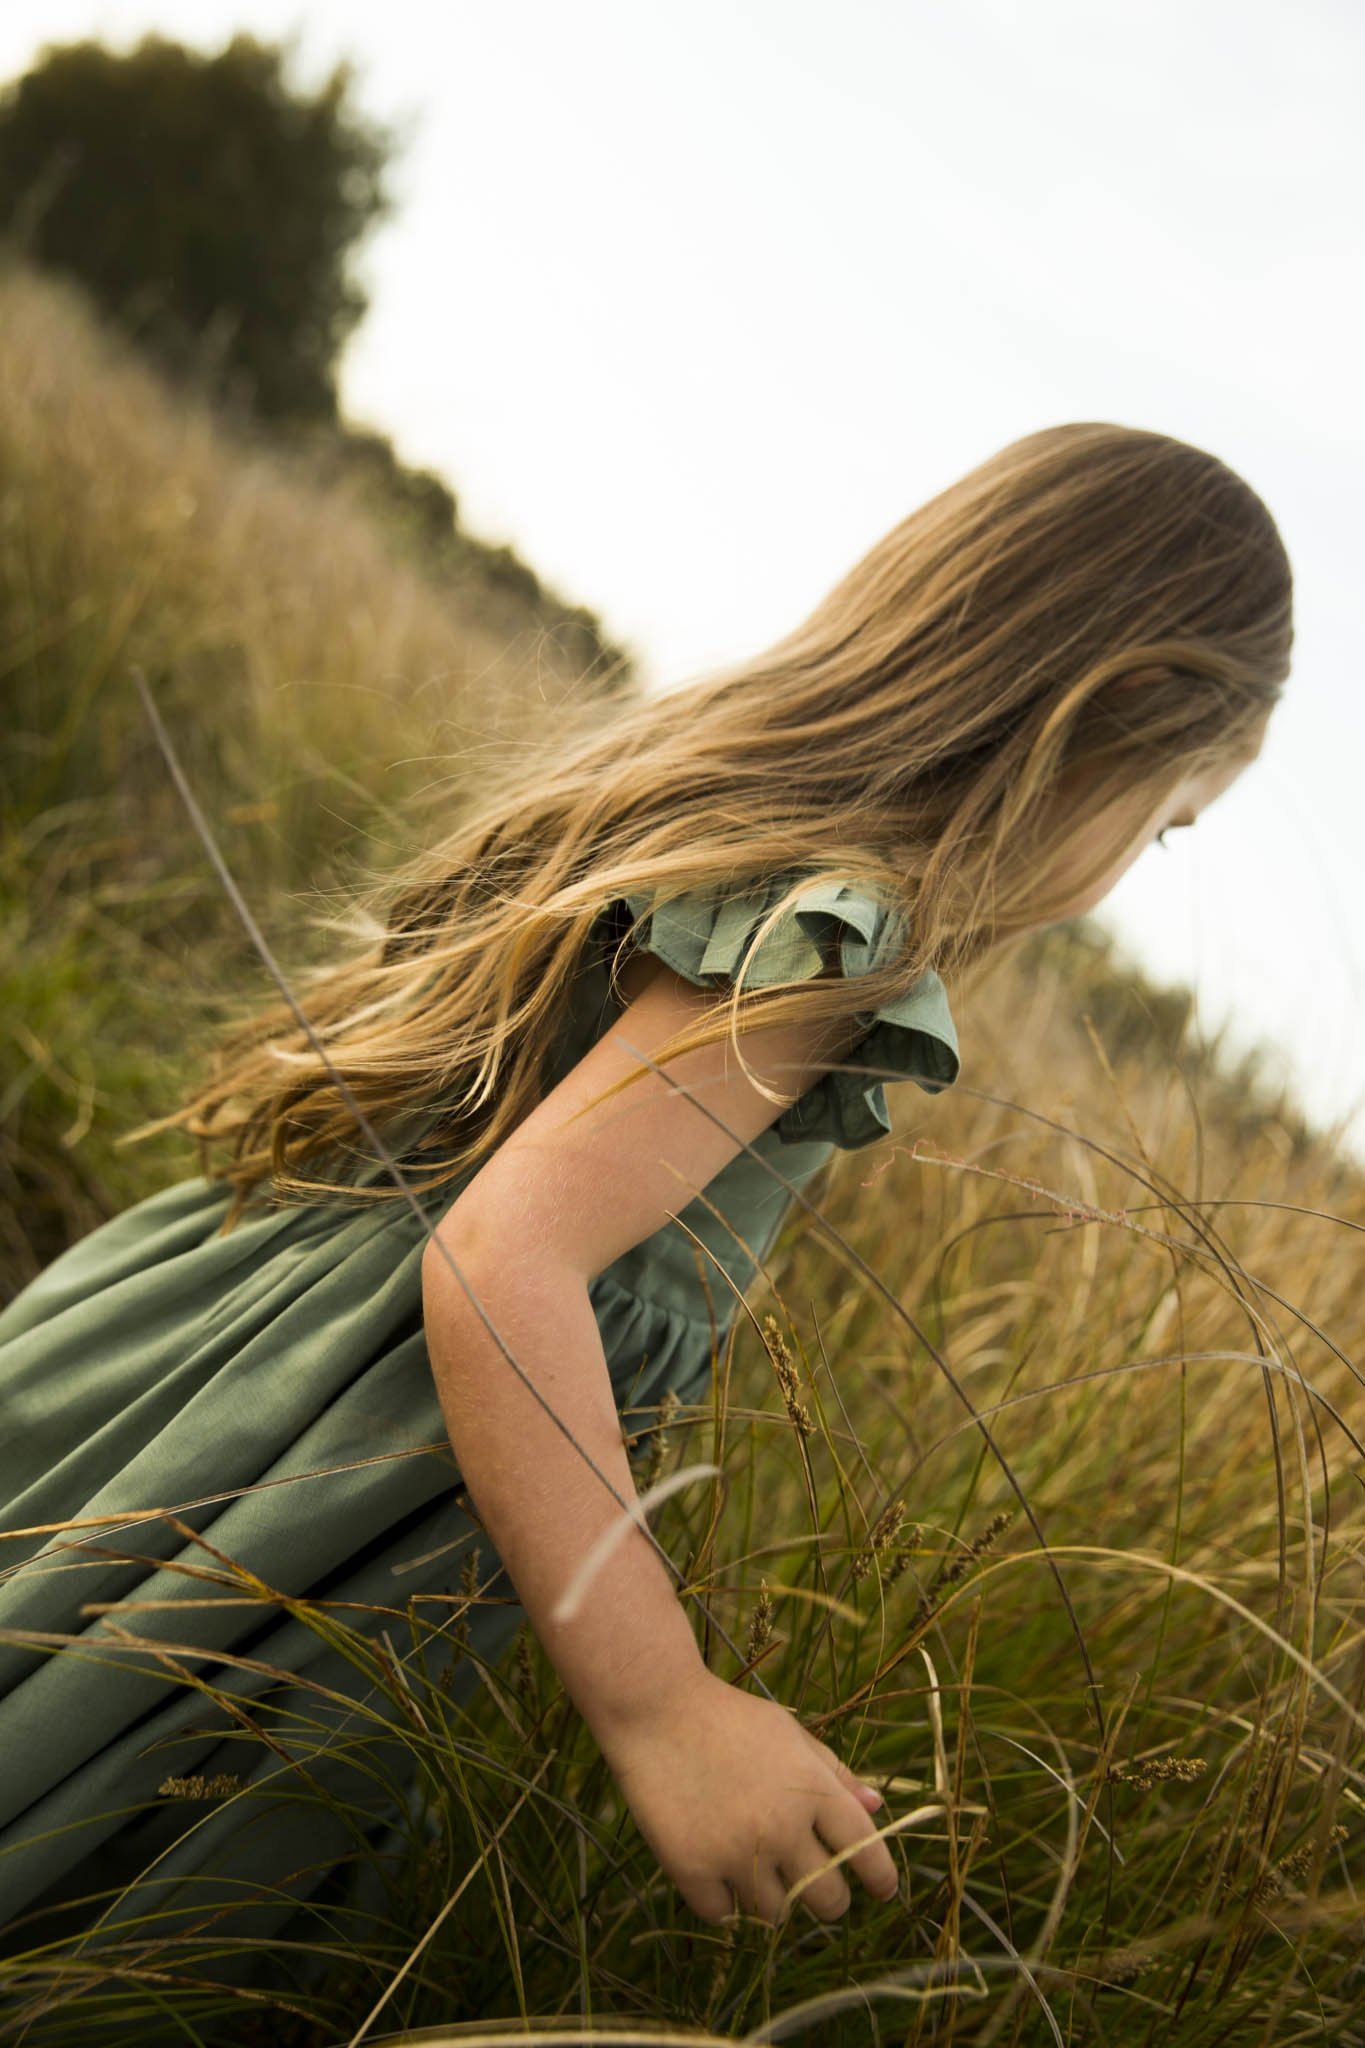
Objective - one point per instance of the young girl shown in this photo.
(633, 1000)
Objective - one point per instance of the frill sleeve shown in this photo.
(911, 1036)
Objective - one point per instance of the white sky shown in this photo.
(692, 301)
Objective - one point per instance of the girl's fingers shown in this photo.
(762, 1892)
(868, 1793)
(826, 1896)
(710, 1898)
(842, 1823)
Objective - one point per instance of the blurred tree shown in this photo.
(208, 208)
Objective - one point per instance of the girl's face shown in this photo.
(1177, 812)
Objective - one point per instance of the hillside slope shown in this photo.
(315, 682)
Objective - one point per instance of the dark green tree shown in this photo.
(207, 206)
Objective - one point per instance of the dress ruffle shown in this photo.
(911, 1036)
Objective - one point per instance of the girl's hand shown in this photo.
(731, 1792)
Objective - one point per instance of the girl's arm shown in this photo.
(541, 1504)
(549, 1210)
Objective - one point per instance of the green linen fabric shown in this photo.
(271, 1388)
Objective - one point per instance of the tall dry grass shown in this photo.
(316, 685)
(1039, 1487)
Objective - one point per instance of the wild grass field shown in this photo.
(1039, 1443)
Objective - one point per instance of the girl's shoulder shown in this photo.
(706, 934)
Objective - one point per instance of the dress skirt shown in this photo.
(186, 1399)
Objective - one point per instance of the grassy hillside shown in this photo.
(314, 681)
(1139, 1265)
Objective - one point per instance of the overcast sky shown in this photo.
(692, 301)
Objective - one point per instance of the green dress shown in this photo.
(273, 1386)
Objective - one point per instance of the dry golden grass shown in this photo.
(1040, 1475)
(316, 684)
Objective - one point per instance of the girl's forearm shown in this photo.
(629, 1646)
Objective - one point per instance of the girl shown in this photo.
(605, 1029)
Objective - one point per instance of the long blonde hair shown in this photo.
(1092, 596)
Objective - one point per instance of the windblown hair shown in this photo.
(1094, 607)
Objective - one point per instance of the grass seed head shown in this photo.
(760, 1623)
(219, 1785)
(1143, 1773)
(787, 1380)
